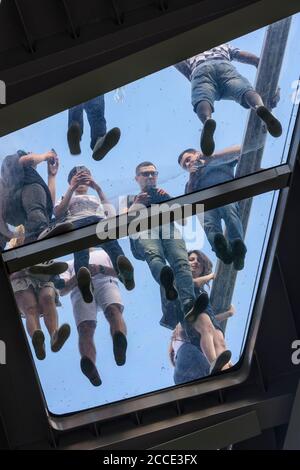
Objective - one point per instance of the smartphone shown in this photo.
(52, 161)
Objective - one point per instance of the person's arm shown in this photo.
(70, 284)
(225, 315)
(225, 155)
(61, 209)
(53, 167)
(184, 68)
(110, 211)
(247, 58)
(33, 159)
(201, 281)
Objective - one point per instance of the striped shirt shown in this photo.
(222, 52)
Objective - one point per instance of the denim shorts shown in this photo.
(216, 80)
(190, 364)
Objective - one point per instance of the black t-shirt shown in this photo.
(15, 176)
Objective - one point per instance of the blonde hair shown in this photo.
(19, 239)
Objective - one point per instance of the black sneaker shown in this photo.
(220, 362)
(51, 268)
(38, 343)
(59, 337)
(273, 125)
(106, 143)
(222, 249)
(167, 282)
(120, 348)
(126, 272)
(74, 137)
(89, 369)
(199, 306)
(55, 230)
(84, 281)
(239, 251)
(207, 143)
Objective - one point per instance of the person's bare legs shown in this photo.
(206, 329)
(254, 100)
(204, 112)
(48, 307)
(28, 305)
(118, 330)
(86, 343)
(220, 346)
(87, 350)
(58, 335)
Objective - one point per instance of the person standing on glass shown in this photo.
(101, 140)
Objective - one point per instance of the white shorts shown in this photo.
(106, 292)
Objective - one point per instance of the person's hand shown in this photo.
(78, 179)
(257, 62)
(50, 155)
(53, 166)
(142, 198)
(212, 276)
(92, 183)
(162, 192)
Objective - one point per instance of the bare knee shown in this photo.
(204, 325)
(86, 329)
(47, 298)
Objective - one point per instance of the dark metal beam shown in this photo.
(54, 83)
(246, 187)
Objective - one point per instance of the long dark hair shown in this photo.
(204, 261)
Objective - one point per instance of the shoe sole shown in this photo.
(59, 230)
(110, 141)
(200, 306)
(167, 282)
(239, 251)
(126, 271)
(84, 285)
(120, 348)
(73, 138)
(221, 247)
(53, 269)
(38, 342)
(89, 369)
(207, 137)
(220, 362)
(273, 125)
(62, 336)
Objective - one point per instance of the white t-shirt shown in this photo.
(83, 205)
(97, 257)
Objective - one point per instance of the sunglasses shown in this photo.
(148, 173)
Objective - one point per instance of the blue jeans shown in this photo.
(95, 110)
(190, 364)
(231, 216)
(162, 245)
(215, 80)
(112, 247)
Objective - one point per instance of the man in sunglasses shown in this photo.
(164, 243)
